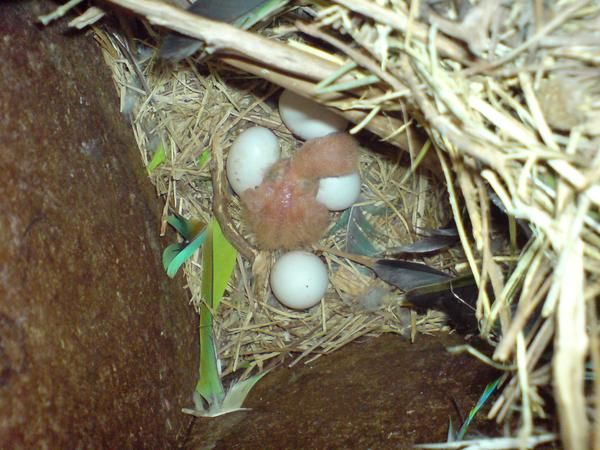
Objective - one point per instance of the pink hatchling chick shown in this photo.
(283, 212)
(329, 156)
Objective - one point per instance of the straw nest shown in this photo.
(508, 95)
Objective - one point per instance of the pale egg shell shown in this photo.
(299, 279)
(339, 193)
(308, 119)
(251, 154)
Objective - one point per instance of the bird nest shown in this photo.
(508, 97)
(198, 114)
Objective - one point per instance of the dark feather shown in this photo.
(407, 275)
(434, 240)
(429, 244)
(456, 297)
(177, 46)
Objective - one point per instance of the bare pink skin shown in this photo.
(283, 212)
(330, 156)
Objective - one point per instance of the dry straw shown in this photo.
(508, 94)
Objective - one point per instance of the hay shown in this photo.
(508, 94)
(194, 112)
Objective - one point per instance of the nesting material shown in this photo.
(199, 115)
(508, 94)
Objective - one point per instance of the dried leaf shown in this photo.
(456, 297)
(407, 275)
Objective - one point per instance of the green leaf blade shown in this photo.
(224, 258)
(218, 262)
(159, 157)
(184, 254)
(169, 255)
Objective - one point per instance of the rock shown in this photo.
(381, 393)
(97, 347)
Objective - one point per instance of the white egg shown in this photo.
(251, 154)
(338, 193)
(308, 119)
(299, 279)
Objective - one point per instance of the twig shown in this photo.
(59, 12)
(220, 203)
(221, 37)
(380, 125)
(483, 358)
(356, 56)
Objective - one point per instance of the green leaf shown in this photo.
(209, 384)
(170, 253)
(451, 436)
(489, 389)
(224, 257)
(186, 252)
(260, 12)
(341, 223)
(408, 275)
(180, 225)
(218, 262)
(233, 400)
(347, 85)
(159, 157)
(203, 158)
(193, 232)
(238, 392)
(189, 229)
(361, 235)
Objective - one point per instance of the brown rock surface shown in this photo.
(383, 393)
(97, 346)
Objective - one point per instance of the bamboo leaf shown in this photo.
(188, 229)
(361, 235)
(233, 401)
(218, 261)
(159, 157)
(186, 252)
(179, 223)
(204, 158)
(433, 240)
(262, 11)
(451, 434)
(240, 13)
(238, 392)
(170, 253)
(175, 255)
(489, 389)
(193, 233)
